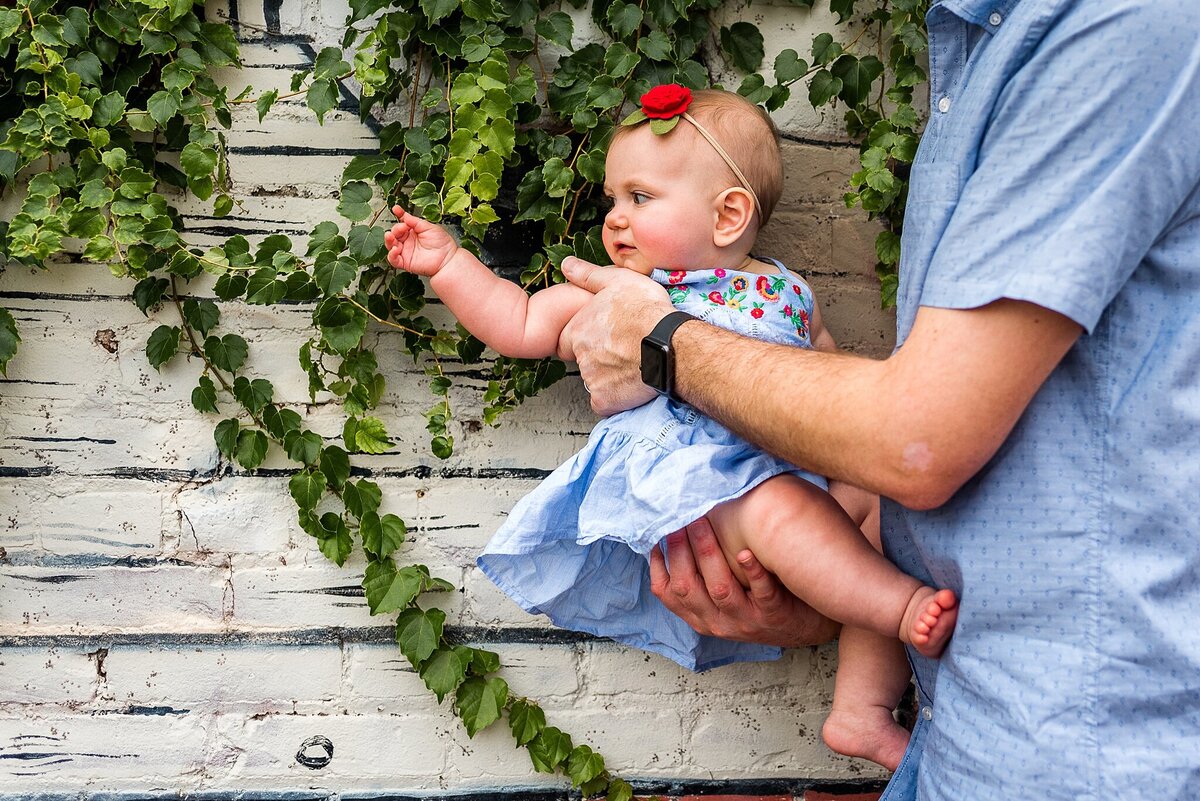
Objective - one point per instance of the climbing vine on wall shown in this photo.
(108, 115)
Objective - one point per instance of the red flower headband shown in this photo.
(664, 106)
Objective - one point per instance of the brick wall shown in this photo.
(166, 628)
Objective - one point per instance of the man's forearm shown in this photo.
(912, 427)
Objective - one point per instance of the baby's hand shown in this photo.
(418, 246)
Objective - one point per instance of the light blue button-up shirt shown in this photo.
(1061, 166)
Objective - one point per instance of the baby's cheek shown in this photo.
(670, 247)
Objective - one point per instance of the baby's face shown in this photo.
(663, 192)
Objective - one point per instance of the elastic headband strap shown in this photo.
(728, 160)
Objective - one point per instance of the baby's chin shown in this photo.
(631, 260)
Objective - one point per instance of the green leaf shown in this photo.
(825, 49)
(204, 396)
(366, 168)
(336, 543)
(584, 765)
(334, 276)
(307, 488)
(9, 337)
(436, 9)
(335, 464)
(10, 21)
(526, 719)
(355, 201)
(202, 315)
(389, 589)
(322, 96)
(823, 88)
(251, 448)
(619, 61)
(303, 446)
(887, 247)
(253, 395)
(362, 497)
(162, 106)
(557, 27)
(625, 18)
(744, 44)
(197, 161)
(789, 66)
(264, 103)
(418, 633)
(329, 64)
(557, 177)
(656, 46)
(480, 701)
(162, 345)
(382, 535)
(856, 75)
(108, 109)
(226, 436)
(371, 437)
(549, 749)
(445, 670)
(227, 353)
(619, 790)
(279, 421)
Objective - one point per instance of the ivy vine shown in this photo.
(109, 114)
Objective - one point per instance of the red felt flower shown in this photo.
(666, 101)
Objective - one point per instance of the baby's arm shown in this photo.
(497, 311)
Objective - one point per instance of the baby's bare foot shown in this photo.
(870, 732)
(929, 621)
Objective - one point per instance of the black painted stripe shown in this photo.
(167, 475)
(794, 786)
(332, 636)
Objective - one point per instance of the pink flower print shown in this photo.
(676, 276)
(787, 311)
(802, 323)
(719, 273)
(716, 298)
(796, 289)
(763, 285)
(740, 284)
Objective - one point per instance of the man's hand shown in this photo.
(418, 246)
(605, 337)
(702, 590)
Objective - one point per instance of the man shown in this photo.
(1038, 427)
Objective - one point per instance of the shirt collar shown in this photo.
(979, 12)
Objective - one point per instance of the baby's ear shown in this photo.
(734, 215)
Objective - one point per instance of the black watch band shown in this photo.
(658, 359)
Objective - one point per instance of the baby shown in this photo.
(689, 192)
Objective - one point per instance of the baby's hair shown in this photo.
(748, 135)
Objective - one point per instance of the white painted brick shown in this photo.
(265, 677)
(46, 676)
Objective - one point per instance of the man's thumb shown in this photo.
(590, 276)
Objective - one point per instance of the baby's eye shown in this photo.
(639, 198)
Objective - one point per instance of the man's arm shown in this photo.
(913, 427)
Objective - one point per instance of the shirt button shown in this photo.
(927, 713)
(995, 18)
(944, 104)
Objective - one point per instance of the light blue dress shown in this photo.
(575, 549)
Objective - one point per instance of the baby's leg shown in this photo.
(799, 533)
(871, 678)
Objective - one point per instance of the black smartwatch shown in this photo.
(658, 360)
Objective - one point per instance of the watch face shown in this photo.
(654, 366)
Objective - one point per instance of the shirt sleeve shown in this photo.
(1092, 151)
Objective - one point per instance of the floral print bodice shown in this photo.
(776, 307)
